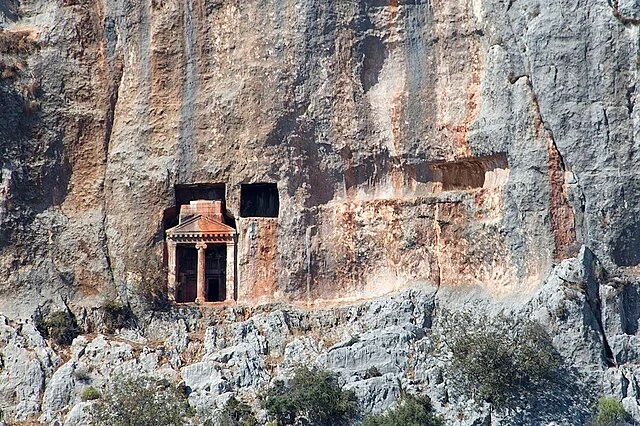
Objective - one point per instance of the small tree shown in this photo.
(314, 396)
(117, 316)
(412, 411)
(236, 413)
(59, 326)
(500, 360)
(141, 401)
(610, 412)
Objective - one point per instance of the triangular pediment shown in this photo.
(201, 225)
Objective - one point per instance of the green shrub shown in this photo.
(412, 411)
(610, 412)
(500, 360)
(59, 326)
(236, 413)
(89, 394)
(117, 315)
(314, 396)
(141, 401)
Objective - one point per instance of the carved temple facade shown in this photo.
(201, 252)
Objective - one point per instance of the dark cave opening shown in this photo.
(259, 200)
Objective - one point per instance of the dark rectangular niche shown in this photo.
(259, 200)
(467, 173)
(198, 191)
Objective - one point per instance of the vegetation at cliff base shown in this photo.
(610, 413)
(236, 413)
(313, 397)
(59, 326)
(500, 360)
(89, 394)
(411, 411)
(141, 401)
(117, 315)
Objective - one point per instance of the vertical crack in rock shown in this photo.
(117, 72)
(605, 119)
(593, 277)
(631, 91)
(562, 214)
(625, 20)
(624, 385)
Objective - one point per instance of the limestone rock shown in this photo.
(452, 143)
(376, 393)
(59, 393)
(79, 415)
(374, 355)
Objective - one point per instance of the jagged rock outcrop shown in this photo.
(379, 348)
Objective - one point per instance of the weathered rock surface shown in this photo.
(379, 348)
(453, 142)
(464, 148)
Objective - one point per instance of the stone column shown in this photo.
(171, 263)
(231, 270)
(201, 295)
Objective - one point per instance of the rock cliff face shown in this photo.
(463, 147)
(452, 142)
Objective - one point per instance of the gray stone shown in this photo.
(79, 415)
(59, 392)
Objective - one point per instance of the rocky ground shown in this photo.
(234, 350)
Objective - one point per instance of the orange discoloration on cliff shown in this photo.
(458, 92)
(473, 101)
(562, 215)
(397, 180)
(377, 247)
(396, 123)
(85, 136)
(258, 265)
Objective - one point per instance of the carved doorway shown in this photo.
(215, 268)
(187, 274)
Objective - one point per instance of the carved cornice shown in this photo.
(196, 238)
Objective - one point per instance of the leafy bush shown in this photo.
(412, 411)
(500, 360)
(59, 326)
(236, 413)
(314, 396)
(89, 394)
(117, 315)
(141, 401)
(610, 413)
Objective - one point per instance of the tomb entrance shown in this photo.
(201, 254)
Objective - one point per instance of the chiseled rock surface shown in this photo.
(460, 142)
(379, 349)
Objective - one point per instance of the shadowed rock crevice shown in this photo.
(626, 251)
(374, 53)
(594, 277)
(470, 173)
(630, 309)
